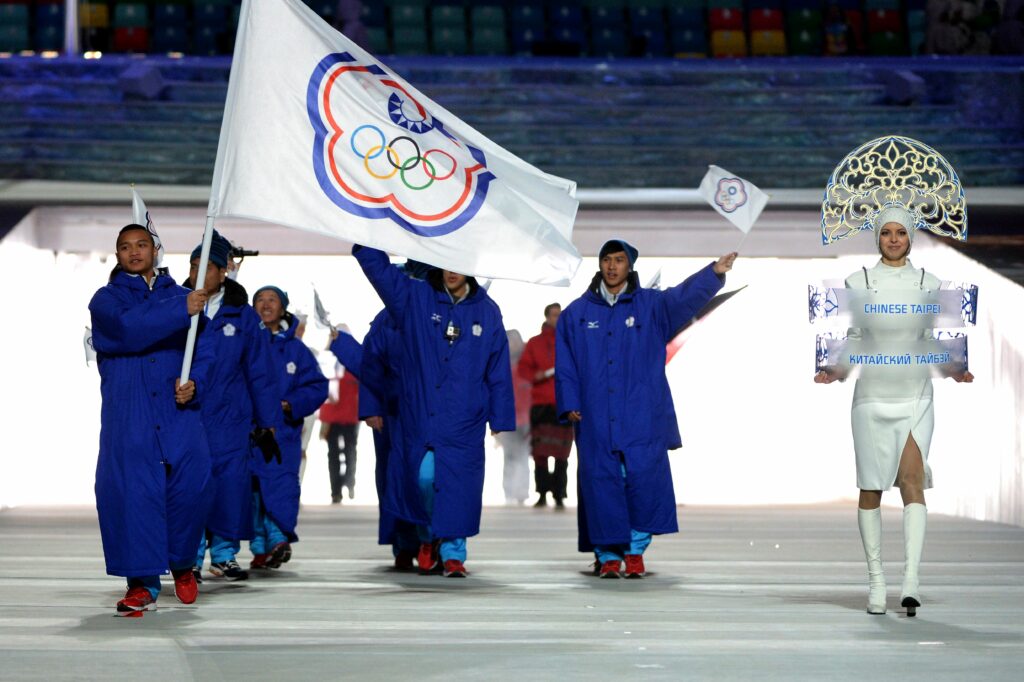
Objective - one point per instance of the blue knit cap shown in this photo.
(280, 294)
(616, 245)
(220, 249)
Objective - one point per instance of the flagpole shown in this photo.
(193, 330)
(745, 235)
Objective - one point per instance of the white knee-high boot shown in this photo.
(870, 523)
(915, 522)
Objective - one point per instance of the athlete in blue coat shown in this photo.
(301, 389)
(241, 394)
(154, 464)
(372, 363)
(455, 377)
(610, 383)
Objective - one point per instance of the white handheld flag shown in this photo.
(318, 135)
(320, 314)
(90, 351)
(140, 216)
(740, 202)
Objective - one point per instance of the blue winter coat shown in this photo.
(449, 393)
(378, 397)
(154, 464)
(610, 367)
(241, 394)
(303, 385)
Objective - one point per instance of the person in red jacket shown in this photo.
(548, 437)
(339, 421)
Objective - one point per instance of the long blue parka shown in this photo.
(242, 393)
(610, 367)
(449, 393)
(154, 463)
(303, 385)
(378, 397)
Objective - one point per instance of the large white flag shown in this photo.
(740, 202)
(140, 216)
(320, 136)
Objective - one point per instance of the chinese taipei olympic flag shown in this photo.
(738, 201)
(320, 136)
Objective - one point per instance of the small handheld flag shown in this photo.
(737, 200)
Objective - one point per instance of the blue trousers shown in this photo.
(152, 582)
(639, 541)
(451, 548)
(221, 550)
(266, 533)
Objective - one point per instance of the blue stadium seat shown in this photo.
(527, 15)
(170, 14)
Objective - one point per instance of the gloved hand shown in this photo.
(264, 439)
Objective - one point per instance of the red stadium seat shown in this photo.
(882, 20)
(131, 40)
(765, 20)
(725, 19)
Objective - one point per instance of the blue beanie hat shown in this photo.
(616, 245)
(280, 294)
(220, 249)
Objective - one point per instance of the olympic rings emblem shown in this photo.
(399, 167)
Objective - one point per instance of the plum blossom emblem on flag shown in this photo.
(396, 162)
(731, 194)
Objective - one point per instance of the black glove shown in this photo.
(265, 441)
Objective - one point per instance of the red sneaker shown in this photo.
(610, 569)
(635, 566)
(186, 589)
(453, 568)
(136, 599)
(427, 558)
(404, 560)
(259, 561)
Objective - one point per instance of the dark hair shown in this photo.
(551, 306)
(134, 226)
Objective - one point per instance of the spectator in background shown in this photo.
(549, 439)
(348, 20)
(514, 444)
(339, 426)
(1008, 37)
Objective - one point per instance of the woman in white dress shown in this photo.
(892, 419)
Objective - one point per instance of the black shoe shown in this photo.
(542, 502)
(229, 570)
(335, 499)
(198, 575)
(559, 503)
(280, 553)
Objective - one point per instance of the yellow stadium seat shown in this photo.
(93, 15)
(767, 44)
(728, 44)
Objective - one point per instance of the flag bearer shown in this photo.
(301, 389)
(154, 465)
(610, 384)
(455, 378)
(241, 395)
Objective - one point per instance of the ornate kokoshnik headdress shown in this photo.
(893, 171)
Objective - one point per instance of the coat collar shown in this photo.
(632, 286)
